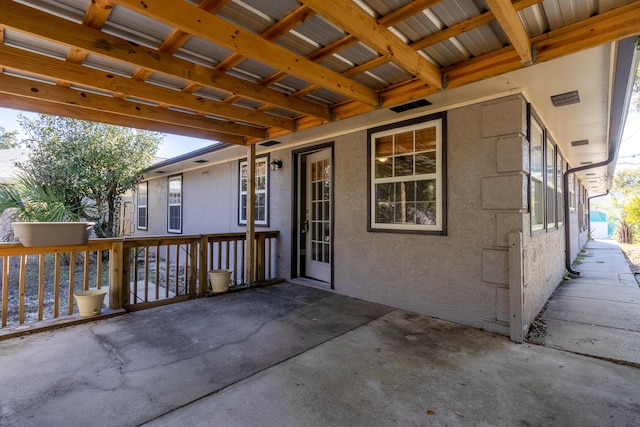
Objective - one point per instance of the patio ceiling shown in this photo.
(245, 71)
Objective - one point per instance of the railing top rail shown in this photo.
(14, 249)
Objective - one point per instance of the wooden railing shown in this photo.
(38, 283)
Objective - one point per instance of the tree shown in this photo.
(626, 204)
(87, 166)
(8, 139)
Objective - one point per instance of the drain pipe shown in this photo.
(565, 185)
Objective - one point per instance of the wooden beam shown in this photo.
(42, 92)
(357, 22)
(214, 29)
(73, 111)
(510, 22)
(28, 20)
(277, 30)
(466, 25)
(610, 26)
(607, 27)
(34, 63)
(408, 10)
(97, 13)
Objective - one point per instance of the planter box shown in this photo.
(52, 233)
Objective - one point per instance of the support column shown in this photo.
(516, 287)
(251, 195)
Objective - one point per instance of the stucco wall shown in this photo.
(462, 276)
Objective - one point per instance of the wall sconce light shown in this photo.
(276, 164)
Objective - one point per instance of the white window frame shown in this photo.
(242, 218)
(173, 204)
(537, 175)
(561, 167)
(140, 206)
(551, 212)
(572, 192)
(437, 122)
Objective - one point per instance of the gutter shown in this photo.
(625, 72)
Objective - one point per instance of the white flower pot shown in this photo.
(90, 302)
(220, 280)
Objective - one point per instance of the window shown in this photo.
(406, 172)
(261, 213)
(537, 178)
(572, 192)
(551, 184)
(175, 205)
(561, 167)
(142, 205)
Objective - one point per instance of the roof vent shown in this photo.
(201, 161)
(269, 143)
(567, 98)
(410, 106)
(580, 142)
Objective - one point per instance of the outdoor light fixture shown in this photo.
(276, 164)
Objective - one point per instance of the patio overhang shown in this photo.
(242, 73)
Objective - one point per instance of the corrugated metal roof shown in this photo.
(308, 56)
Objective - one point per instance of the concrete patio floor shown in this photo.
(289, 355)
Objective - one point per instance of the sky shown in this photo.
(173, 145)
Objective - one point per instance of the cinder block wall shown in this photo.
(462, 276)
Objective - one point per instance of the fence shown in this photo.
(38, 283)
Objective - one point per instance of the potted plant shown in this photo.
(45, 220)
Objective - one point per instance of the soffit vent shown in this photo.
(201, 161)
(269, 143)
(580, 142)
(410, 106)
(590, 174)
(585, 163)
(566, 98)
(160, 171)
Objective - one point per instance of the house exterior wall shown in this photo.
(462, 276)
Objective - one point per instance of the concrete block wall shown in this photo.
(462, 276)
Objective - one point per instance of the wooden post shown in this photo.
(116, 273)
(204, 256)
(260, 257)
(251, 228)
(193, 270)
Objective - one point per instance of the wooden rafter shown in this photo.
(67, 110)
(25, 19)
(214, 29)
(357, 22)
(51, 93)
(508, 19)
(187, 20)
(609, 26)
(47, 67)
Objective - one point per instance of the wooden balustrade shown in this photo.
(38, 283)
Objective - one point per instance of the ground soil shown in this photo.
(632, 253)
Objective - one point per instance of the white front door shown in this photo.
(318, 216)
